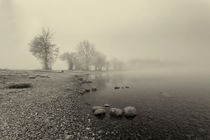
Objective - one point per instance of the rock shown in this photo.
(116, 112)
(106, 105)
(99, 112)
(87, 104)
(68, 89)
(81, 91)
(94, 108)
(116, 87)
(130, 111)
(88, 81)
(202, 131)
(88, 128)
(94, 89)
(81, 79)
(87, 90)
(69, 137)
(32, 77)
(100, 132)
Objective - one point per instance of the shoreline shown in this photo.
(48, 110)
(54, 108)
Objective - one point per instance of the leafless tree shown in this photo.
(43, 49)
(86, 52)
(99, 61)
(69, 58)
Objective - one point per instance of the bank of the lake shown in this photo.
(57, 106)
(50, 109)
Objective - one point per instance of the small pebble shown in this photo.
(88, 128)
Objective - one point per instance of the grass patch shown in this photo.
(19, 85)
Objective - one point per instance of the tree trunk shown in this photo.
(70, 66)
(46, 66)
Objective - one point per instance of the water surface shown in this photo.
(178, 103)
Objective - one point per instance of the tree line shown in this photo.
(86, 57)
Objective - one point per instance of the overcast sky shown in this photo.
(162, 30)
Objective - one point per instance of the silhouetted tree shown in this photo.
(69, 58)
(87, 57)
(85, 52)
(78, 64)
(43, 49)
(98, 60)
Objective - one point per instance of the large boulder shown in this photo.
(94, 108)
(130, 112)
(116, 112)
(99, 112)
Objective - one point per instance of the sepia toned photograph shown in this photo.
(104, 69)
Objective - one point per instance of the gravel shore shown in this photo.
(48, 110)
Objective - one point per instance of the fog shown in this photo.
(174, 33)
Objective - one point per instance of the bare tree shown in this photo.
(70, 58)
(78, 64)
(85, 52)
(43, 49)
(99, 61)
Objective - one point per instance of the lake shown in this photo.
(176, 102)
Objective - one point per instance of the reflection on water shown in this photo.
(100, 81)
(175, 104)
(150, 86)
(163, 95)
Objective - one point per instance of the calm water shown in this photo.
(170, 105)
(149, 89)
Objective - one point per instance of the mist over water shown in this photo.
(145, 30)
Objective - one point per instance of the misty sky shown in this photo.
(162, 30)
